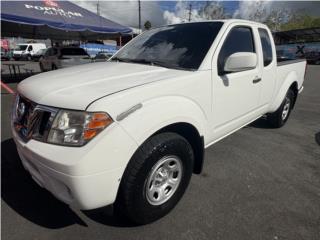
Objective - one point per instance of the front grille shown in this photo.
(31, 120)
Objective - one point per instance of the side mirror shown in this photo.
(240, 61)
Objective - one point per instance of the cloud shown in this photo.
(260, 10)
(204, 11)
(179, 15)
(126, 12)
(251, 10)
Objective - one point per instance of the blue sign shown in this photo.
(297, 50)
(94, 48)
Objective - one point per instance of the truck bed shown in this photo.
(290, 69)
(281, 62)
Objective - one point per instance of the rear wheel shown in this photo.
(155, 178)
(280, 117)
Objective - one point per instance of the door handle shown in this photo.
(256, 80)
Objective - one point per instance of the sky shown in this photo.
(167, 12)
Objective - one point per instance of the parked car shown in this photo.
(102, 56)
(40, 53)
(131, 131)
(25, 51)
(313, 57)
(55, 58)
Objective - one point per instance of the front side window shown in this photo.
(266, 46)
(180, 46)
(239, 39)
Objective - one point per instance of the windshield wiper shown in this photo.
(156, 63)
(168, 65)
(142, 61)
(120, 59)
(152, 63)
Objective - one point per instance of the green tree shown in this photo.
(147, 25)
(301, 20)
(277, 18)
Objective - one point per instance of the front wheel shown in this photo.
(155, 178)
(280, 117)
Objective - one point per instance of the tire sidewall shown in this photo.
(289, 95)
(141, 209)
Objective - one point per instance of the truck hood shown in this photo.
(77, 87)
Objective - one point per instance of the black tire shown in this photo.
(132, 200)
(29, 58)
(278, 119)
(54, 67)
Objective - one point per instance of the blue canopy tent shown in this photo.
(58, 20)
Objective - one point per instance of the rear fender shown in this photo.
(289, 80)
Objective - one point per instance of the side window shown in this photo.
(239, 39)
(266, 46)
(30, 48)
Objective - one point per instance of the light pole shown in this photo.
(139, 2)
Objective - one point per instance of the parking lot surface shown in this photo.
(258, 183)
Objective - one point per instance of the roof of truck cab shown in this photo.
(229, 21)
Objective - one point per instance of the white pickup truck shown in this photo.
(131, 131)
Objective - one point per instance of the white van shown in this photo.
(27, 50)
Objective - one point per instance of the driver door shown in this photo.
(235, 94)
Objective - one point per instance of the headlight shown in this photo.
(76, 128)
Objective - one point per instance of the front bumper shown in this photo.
(86, 177)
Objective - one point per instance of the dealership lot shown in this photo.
(258, 183)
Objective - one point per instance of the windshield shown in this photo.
(21, 47)
(181, 46)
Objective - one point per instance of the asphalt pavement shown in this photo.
(258, 183)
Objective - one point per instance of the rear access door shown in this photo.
(268, 58)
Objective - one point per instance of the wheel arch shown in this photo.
(191, 134)
(295, 90)
(170, 114)
(290, 82)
